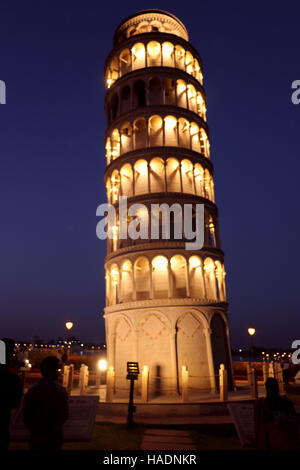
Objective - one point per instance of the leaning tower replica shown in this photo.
(165, 305)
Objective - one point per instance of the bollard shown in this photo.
(253, 385)
(71, 378)
(83, 379)
(223, 382)
(265, 371)
(271, 369)
(110, 384)
(145, 384)
(66, 375)
(184, 384)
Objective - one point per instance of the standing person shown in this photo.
(276, 421)
(10, 393)
(46, 408)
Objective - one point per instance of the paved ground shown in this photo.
(167, 439)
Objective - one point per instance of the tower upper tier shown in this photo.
(148, 21)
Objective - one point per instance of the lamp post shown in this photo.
(251, 332)
(69, 325)
(132, 375)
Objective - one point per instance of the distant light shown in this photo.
(81, 344)
(240, 350)
(69, 325)
(102, 364)
(251, 331)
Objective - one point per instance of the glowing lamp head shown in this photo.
(132, 370)
(69, 325)
(102, 364)
(251, 331)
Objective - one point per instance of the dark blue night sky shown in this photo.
(52, 160)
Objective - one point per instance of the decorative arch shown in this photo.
(142, 278)
(169, 91)
(173, 175)
(140, 133)
(155, 131)
(138, 56)
(125, 99)
(126, 278)
(141, 177)
(125, 62)
(187, 176)
(123, 351)
(184, 132)
(210, 279)
(126, 177)
(115, 143)
(199, 179)
(168, 54)
(178, 268)
(155, 351)
(126, 137)
(160, 277)
(157, 175)
(191, 345)
(139, 94)
(155, 94)
(171, 138)
(197, 290)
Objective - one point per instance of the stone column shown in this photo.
(173, 359)
(207, 333)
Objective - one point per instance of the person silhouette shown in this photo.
(276, 421)
(10, 392)
(46, 408)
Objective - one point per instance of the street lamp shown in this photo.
(251, 332)
(69, 325)
(132, 375)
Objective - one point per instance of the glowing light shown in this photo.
(160, 262)
(138, 51)
(194, 262)
(102, 364)
(115, 276)
(170, 123)
(167, 48)
(141, 167)
(251, 331)
(153, 49)
(69, 325)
